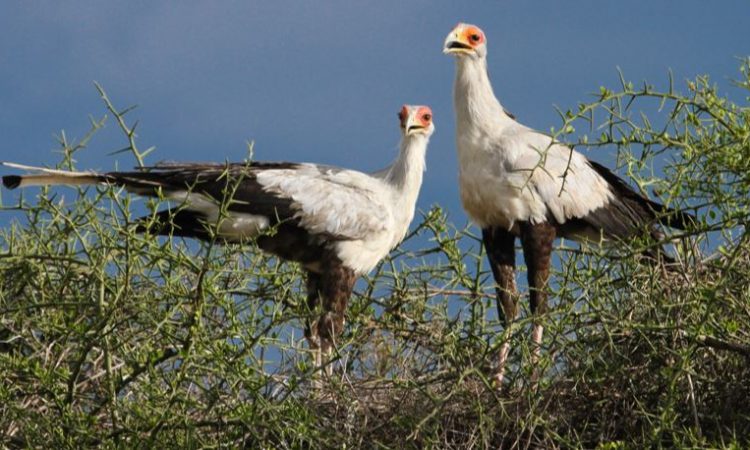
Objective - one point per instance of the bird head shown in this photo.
(416, 119)
(466, 40)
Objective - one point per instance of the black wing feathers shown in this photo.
(182, 222)
(235, 182)
(633, 210)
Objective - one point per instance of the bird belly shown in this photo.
(363, 255)
(499, 199)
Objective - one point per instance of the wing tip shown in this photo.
(679, 219)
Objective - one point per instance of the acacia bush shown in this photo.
(110, 338)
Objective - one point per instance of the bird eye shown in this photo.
(427, 117)
(475, 37)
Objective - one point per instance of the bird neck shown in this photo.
(405, 174)
(405, 178)
(474, 99)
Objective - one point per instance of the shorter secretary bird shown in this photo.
(518, 182)
(337, 223)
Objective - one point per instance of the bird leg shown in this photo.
(537, 241)
(311, 328)
(500, 246)
(335, 288)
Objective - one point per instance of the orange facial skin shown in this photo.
(415, 118)
(424, 115)
(472, 35)
(403, 115)
(464, 39)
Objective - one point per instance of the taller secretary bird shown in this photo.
(517, 182)
(337, 223)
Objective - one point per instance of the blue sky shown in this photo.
(323, 81)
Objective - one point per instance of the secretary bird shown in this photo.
(518, 182)
(337, 223)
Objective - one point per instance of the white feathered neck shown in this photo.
(405, 174)
(474, 100)
(404, 177)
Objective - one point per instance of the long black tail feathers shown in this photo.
(11, 181)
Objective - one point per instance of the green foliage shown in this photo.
(110, 338)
